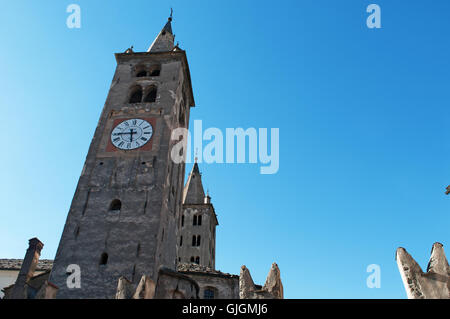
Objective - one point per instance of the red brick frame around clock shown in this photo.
(147, 147)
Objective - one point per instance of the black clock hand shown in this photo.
(123, 133)
(131, 135)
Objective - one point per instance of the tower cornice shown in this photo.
(208, 205)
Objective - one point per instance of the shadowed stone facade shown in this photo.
(125, 214)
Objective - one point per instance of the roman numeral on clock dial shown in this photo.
(131, 134)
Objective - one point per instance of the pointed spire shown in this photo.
(165, 39)
(438, 261)
(434, 284)
(193, 191)
(273, 282)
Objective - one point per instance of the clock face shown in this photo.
(131, 134)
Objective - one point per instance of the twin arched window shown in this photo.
(196, 241)
(143, 71)
(151, 95)
(137, 94)
(195, 259)
(197, 221)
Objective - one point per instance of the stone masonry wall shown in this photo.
(141, 236)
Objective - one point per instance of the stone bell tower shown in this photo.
(126, 210)
(197, 234)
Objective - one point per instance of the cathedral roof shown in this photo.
(193, 192)
(16, 264)
(201, 270)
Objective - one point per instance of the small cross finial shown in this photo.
(196, 155)
(171, 14)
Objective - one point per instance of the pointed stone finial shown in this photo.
(171, 14)
(447, 190)
(246, 284)
(273, 288)
(129, 50)
(273, 282)
(438, 262)
(145, 288)
(207, 198)
(434, 284)
(124, 288)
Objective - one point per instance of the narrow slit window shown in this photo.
(77, 232)
(104, 259)
(138, 250)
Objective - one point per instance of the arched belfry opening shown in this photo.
(151, 95)
(155, 70)
(136, 95)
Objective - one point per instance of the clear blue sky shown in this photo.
(363, 117)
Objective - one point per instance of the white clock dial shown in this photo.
(131, 134)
